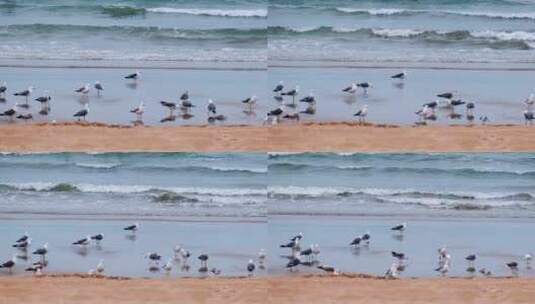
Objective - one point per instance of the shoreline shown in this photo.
(305, 137)
(344, 288)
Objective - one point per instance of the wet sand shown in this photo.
(346, 288)
(339, 136)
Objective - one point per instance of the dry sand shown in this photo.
(274, 290)
(293, 137)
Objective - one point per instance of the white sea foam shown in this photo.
(211, 12)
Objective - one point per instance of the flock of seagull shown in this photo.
(297, 257)
(285, 111)
(309, 257)
(179, 258)
(427, 112)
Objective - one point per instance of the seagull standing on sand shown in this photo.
(98, 87)
(26, 93)
(45, 103)
(362, 113)
(11, 112)
(82, 113)
(135, 76)
(139, 110)
(84, 90)
(392, 272)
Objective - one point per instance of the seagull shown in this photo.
(432, 104)
(398, 255)
(279, 87)
(471, 258)
(365, 86)
(23, 238)
(98, 237)
(401, 227)
(3, 88)
(294, 262)
(99, 87)
(292, 93)
(307, 252)
(276, 113)
(170, 105)
(84, 90)
(447, 95)
(153, 257)
(401, 75)
(26, 116)
(484, 120)
(139, 110)
(513, 266)
(366, 237)
(485, 272)
(308, 99)
(42, 251)
(23, 245)
(250, 267)
(528, 257)
(11, 112)
(528, 116)
(100, 267)
(204, 260)
(351, 88)
(362, 113)
(298, 236)
(453, 103)
(261, 257)
(250, 101)
(470, 111)
(84, 242)
(82, 113)
(185, 105)
(292, 244)
(44, 99)
(315, 251)
(393, 271)
(9, 264)
(184, 96)
(211, 108)
(215, 271)
(444, 268)
(185, 255)
(26, 93)
(530, 101)
(328, 269)
(356, 241)
(132, 228)
(135, 76)
(168, 266)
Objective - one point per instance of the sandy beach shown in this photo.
(350, 137)
(346, 288)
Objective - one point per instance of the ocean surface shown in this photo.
(428, 31)
(133, 30)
